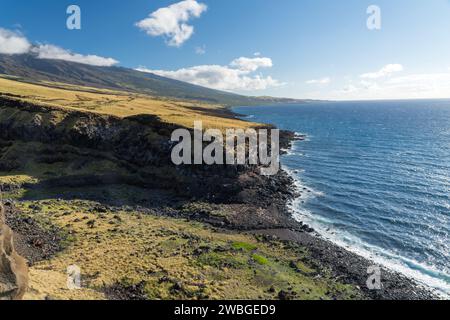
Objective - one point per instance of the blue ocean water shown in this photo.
(379, 179)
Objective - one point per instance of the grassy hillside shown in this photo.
(120, 103)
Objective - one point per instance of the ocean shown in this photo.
(378, 175)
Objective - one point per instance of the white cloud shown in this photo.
(171, 21)
(387, 70)
(412, 86)
(257, 54)
(424, 82)
(322, 81)
(13, 42)
(251, 64)
(238, 76)
(48, 51)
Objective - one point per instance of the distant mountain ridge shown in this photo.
(29, 68)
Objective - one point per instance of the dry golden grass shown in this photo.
(121, 104)
(131, 248)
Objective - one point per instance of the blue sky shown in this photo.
(292, 48)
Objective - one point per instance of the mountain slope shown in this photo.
(31, 69)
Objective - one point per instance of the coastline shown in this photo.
(345, 264)
(327, 233)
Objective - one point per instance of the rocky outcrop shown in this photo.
(142, 140)
(141, 144)
(13, 268)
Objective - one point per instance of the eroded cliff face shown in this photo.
(137, 150)
(139, 146)
(13, 268)
(141, 140)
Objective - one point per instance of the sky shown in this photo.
(315, 49)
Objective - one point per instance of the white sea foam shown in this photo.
(302, 136)
(287, 151)
(323, 227)
(306, 191)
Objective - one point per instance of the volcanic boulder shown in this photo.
(13, 268)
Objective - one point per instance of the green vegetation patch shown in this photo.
(243, 246)
(260, 259)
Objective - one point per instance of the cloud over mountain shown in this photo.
(13, 42)
(48, 51)
(237, 76)
(251, 64)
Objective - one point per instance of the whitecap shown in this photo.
(425, 275)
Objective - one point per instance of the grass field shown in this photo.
(121, 104)
(168, 259)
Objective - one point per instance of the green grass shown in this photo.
(244, 246)
(260, 259)
(223, 260)
(122, 104)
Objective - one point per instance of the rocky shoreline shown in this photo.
(344, 264)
